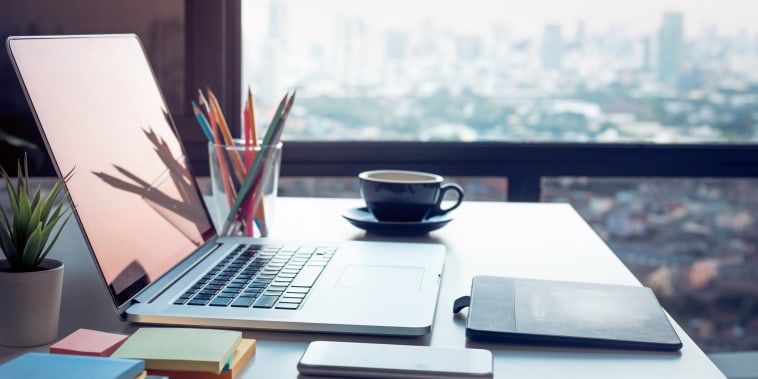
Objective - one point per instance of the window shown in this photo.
(579, 71)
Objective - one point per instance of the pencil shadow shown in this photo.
(177, 209)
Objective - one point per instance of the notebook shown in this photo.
(101, 112)
(551, 312)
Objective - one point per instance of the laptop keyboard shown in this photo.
(260, 276)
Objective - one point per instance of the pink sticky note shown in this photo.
(89, 342)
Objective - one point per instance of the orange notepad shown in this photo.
(242, 355)
(89, 342)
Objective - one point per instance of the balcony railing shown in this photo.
(523, 164)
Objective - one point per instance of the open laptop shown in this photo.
(102, 114)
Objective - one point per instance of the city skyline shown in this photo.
(561, 85)
(312, 20)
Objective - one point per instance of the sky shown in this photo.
(525, 19)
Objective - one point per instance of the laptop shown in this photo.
(101, 113)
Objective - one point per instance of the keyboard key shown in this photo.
(230, 292)
(252, 292)
(266, 302)
(221, 301)
(307, 277)
(287, 306)
(302, 290)
(198, 302)
(243, 302)
(295, 295)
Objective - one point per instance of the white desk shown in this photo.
(543, 241)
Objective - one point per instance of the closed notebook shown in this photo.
(59, 366)
(181, 349)
(241, 357)
(549, 312)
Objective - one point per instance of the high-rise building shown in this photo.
(647, 53)
(552, 47)
(671, 48)
(396, 45)
(469, 47)
(277, 26)
(349, 52)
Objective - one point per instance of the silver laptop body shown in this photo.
(102, 114)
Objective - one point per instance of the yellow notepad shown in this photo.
(181, 349)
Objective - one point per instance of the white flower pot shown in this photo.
(30, 304)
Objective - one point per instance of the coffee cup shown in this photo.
(406, 196)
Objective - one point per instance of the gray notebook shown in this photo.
(550, 312)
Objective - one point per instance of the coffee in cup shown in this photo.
(406, 196)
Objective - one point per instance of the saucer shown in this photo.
(362, 218)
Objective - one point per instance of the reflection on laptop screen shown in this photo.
(97, 102)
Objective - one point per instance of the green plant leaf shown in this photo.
(36, 197)
(49, 201)
(6, 242)
(32, 250)
(59, 212)
(21, 221)
(11, 193)
(35, 217)
(25, 235)
(52, 241)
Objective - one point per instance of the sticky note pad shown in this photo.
(241, 357)
(89, 342)
(184, 349)
(55, 366)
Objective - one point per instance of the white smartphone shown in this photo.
(372, 360)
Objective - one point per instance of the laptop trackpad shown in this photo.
(381, 277)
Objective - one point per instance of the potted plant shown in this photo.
(30, 283)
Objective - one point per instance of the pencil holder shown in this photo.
(232, 166)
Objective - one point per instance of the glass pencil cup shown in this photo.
(251, 171)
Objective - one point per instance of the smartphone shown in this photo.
(372, 360)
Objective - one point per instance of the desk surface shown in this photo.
(542, 241)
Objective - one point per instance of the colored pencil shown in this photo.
(239, 168)
(252, 179)
(218, 146)
(251, 140)
(204, 125)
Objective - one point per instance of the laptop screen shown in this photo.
(102, 115)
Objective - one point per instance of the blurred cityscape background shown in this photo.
(668, 71)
